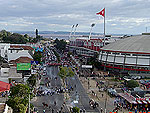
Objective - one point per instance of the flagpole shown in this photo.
(104, 28)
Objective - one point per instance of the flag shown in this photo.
(102, 12)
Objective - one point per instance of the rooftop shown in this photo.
(140, 43)
(22, 60)
(21, 46)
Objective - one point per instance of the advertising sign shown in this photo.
(23, 66)
(34, 62)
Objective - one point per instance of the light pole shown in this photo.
(106, 97)
(92, 25)
(75, 29)
(71, 31)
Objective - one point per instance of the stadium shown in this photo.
(129, 55)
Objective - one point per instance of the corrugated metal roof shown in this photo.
(139, 43)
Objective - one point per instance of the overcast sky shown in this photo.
(122, 16)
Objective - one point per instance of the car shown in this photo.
(142, 81)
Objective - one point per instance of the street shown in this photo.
(55, 101)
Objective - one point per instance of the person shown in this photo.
(101, 110)
(55, 103)
(44, 111)
(102, 94)
(52, 110)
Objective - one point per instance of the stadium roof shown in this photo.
(140, 43)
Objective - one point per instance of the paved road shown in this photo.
(51, 73)
(80, 95)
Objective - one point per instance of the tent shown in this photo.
(4, 86)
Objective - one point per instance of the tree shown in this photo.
(20, 90)
(36, 33)
(60, 44)
(32, 81)
(19, 98)
(64, 73)
(37, 56)
(76, 110)
(132, 84)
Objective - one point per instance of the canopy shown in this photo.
(4, 86)
(128, 97)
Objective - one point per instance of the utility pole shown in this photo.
(29, 104)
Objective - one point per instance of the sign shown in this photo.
(23, 66)
(86, 66)
(34, 62)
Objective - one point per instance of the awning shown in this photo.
(148, 101)
(4, 86)
(128, 98)
(139, 102)
(134, 102)
(144, 101)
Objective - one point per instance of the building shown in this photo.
(131, 55)
(4, 108)
(86, 46)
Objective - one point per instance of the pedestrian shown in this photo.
(101, 110)
(61, 108)
(55, 103)
(44, 111)
(74, 86)
(52, 110)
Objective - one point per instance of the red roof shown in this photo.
(24, 47)
(4, 86)
(22, 60)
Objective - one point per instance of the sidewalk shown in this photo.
(99, 97)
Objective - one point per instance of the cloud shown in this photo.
(122, 16)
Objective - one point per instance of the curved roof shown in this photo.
(139, 43)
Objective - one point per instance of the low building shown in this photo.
(4, 108)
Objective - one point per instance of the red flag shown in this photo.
(102, 12)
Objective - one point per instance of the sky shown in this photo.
(122, 16)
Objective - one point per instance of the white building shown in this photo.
(131, 55)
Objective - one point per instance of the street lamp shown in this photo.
(92, 25)
(106, 97)
(75, 29)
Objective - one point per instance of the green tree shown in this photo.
(64, 73)
(76, 110)
(19, 98)
(60, 44)
(37, 56)
(32, 80)
(132, 84)
(20, 90)
(36, 33)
